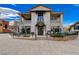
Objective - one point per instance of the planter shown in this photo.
(65, 38)
(26, 35)
(70, 37)
(58, 38)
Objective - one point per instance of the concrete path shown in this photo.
(9, 46)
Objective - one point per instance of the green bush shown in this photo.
(26, 35)
(57, 34)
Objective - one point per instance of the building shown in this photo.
(74, 27)
(40, 20)
(1, 26)
(4, 26)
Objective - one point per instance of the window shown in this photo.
(58, 29)
(26, 30)
(53, 18)
(23, 30)
(76, 28)
(40, 16)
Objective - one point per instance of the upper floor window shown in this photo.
(53, 18)
(40, 16)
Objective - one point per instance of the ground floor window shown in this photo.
(56, 29)
(76, 28)
(26, 29)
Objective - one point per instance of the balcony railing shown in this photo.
(54, 21)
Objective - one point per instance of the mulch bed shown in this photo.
(65, 38)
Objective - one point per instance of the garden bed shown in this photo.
(63, 36)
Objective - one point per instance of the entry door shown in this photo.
(40, 30)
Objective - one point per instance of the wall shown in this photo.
(47, 20)
(33, 21)
(5, 29)
(1, 26)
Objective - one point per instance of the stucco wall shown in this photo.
(47, 20)
(33, 21)
(61, 22)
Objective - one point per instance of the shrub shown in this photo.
(57, 34)
(71, 33)
(26, 35)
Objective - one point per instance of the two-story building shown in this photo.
(40, 20)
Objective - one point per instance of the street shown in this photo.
(10, 46)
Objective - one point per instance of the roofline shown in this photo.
(73, 24)
(40, 5)
(57, 12)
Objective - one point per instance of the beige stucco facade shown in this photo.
(47, 23)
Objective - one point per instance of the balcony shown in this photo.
(55, 23)
(26, 22)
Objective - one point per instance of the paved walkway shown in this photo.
(9, 46)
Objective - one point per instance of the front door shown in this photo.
(40, 30)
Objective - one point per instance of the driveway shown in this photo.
(10, 46)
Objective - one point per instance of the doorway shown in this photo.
(40, 30)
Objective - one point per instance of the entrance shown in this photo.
(40, 30)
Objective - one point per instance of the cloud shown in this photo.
(12, 10)
(9, 14)
(68, 24)
(76, 5)
(14, 17)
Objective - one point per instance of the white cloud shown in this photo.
(68, 24)
(2, 9)
(76, 5)
(11, 22)
(7, 13)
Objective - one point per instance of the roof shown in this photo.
(74, 25)
(26, 16)
(56, 14)
(33, 9)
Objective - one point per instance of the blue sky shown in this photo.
(71, 11)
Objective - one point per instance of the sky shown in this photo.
(71, 11)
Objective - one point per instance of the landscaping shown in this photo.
(59, 36)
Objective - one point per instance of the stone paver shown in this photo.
(9, 46)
